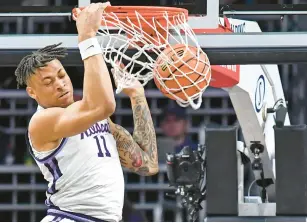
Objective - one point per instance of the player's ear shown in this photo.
(31, 92)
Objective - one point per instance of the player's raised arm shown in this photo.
(137, 152)
(48, 83)
(97, 83)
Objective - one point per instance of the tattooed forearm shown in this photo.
(144, 132)
(138, 152)
(130, 154)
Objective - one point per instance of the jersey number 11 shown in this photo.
(100, 153)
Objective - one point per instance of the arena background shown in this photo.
(22, 188)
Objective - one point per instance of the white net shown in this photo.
(138, 40)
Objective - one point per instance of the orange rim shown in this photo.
(147, 12)
(152, 21)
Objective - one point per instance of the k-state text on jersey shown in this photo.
(96, 128)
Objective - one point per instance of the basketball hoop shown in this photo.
(148, 30)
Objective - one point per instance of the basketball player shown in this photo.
(76, 146)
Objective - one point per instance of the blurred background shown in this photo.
(22, 187)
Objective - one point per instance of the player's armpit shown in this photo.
(131, 155)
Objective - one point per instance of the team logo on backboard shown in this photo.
(259, 93)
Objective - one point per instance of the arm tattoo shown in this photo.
(130, 154)
(144, 132)
(138, 152)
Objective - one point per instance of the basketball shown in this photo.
(188, 66)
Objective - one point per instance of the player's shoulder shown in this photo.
(42, 116)
(42, 120)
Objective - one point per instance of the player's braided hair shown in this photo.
(37, 59)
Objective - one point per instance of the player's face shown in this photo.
(50, 86)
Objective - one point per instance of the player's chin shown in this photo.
(65, 100)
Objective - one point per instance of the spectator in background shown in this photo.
(175, 126)
(175, 130)
(6, 151)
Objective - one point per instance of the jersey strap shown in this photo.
(49, 157)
